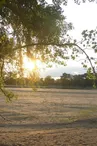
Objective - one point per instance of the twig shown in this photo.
(3, 117)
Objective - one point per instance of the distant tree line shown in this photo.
(65, 81)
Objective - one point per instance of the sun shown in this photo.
(28, 64)
(31, 65)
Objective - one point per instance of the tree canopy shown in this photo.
(30, 22)
(33, 22)
(65, 2)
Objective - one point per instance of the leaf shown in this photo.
(95, 50)
(92, 58)
(94, 86)
(94, 46)
(85, 66)
(75, 41)
(73, 57)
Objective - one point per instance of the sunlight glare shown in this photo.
(31, 65)
(38, 63)
(28, 64)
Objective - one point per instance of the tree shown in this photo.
(29, 22)
(65, 2)
(34, 28)
(66, 80)
(76, 81)
(49, 81)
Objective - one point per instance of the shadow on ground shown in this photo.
(85, 123)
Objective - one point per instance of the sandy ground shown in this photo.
(49, 117)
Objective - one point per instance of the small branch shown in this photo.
(2, 117)
(2, 67)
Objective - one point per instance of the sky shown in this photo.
(82, 17)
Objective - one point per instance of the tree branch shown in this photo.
(94, 72)
(62, 45)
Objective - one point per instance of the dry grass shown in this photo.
(49, 117)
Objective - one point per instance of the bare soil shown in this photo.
(49, 117)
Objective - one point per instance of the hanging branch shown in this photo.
(62, 45)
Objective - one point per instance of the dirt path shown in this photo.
(50, 117)
(77, 133)
(63, 137)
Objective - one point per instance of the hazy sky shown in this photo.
(82, 17)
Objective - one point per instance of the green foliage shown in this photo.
(6, 45)
(2, 2)
(89, 38)
(25, 22)
(35, 21)
(73, 57)
(8, 94)
(65, 2)
(40, 28)
(90, 74)
(49, 81)
(65, 81)
(89, 41)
